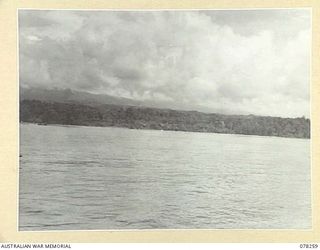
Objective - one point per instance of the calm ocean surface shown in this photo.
(114, 178)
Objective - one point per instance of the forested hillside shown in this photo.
(151, 118)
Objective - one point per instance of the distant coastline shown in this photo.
(136, 117)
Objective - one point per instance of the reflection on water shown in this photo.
(114, 178)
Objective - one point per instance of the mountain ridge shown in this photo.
(81, 97)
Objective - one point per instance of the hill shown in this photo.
(72, 96)
(81, 97)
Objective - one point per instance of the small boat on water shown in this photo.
(42, 123)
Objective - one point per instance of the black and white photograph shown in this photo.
(164, 119)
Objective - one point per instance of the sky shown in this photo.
(231, 61)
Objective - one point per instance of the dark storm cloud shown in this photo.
(237, 61)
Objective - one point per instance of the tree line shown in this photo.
(136, 117)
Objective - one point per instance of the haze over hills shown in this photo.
(81, 97)
(72, 96)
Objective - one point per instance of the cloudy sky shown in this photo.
(235, 61)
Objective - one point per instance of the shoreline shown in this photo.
(149, 129)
